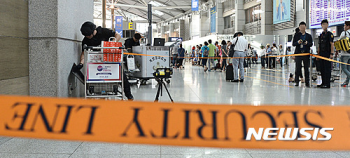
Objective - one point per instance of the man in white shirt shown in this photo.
(239, 49)
(345, 56)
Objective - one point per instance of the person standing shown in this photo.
(302, 41)
(325, 49)
(181, 56)
(249, 55)
(201, 55)
(212, 52)
(263, 57)
(274, 53)
(281, 52)
(239, 48)
(205, 50)
(175, 52)
(224, 55)
(254, 56)
(345, 56)
(268, 54)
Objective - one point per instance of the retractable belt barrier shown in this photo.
(136, 54)
(302, 54)
(200, 125)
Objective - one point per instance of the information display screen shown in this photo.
(336, 11)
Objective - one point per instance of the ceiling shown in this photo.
(140, 14)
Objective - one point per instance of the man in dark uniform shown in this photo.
(302, 42)
(325, 49)
(93, 37)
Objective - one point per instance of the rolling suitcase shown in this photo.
(229, 72)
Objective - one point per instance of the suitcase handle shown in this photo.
(109, 40)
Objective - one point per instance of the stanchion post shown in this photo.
(310, 71)
(340, 71)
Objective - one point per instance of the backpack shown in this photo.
(206, 52)
(232, 49)
(343, 43)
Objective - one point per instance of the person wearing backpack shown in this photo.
(205, 50)
(345, 56)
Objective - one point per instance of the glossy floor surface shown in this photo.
(260, 87)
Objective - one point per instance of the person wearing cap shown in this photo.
(325, 49)
(93, 37)
(302, 42)
(345, 56)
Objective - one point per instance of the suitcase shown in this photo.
(229, 72)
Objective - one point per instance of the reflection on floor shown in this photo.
(193, 85)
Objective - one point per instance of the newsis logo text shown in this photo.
(286, 134)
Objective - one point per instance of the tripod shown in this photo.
(160, 89)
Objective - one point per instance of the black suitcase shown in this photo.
(229, 72)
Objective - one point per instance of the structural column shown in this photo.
(239, 16)
(182, 29)
(162, 31)
(171, 29)
(266, 17)
(55, 44)
(204, 24)
(219, 18)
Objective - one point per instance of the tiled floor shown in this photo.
(193, 85)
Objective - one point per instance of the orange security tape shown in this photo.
(201, 125)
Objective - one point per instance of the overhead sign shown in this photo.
(213, 19)
(336, 11)
(119, 25)
(131, 26)
(195, 5)
(281, 11)
(202, 125)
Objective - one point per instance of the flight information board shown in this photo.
(336, 11)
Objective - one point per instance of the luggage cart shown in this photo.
(104, 73)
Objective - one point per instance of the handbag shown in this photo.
(343, 43)
(232, 49)
(131, 63)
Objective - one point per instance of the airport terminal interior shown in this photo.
(41, 45)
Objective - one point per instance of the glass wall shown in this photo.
(229, 22)
(253, 14)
